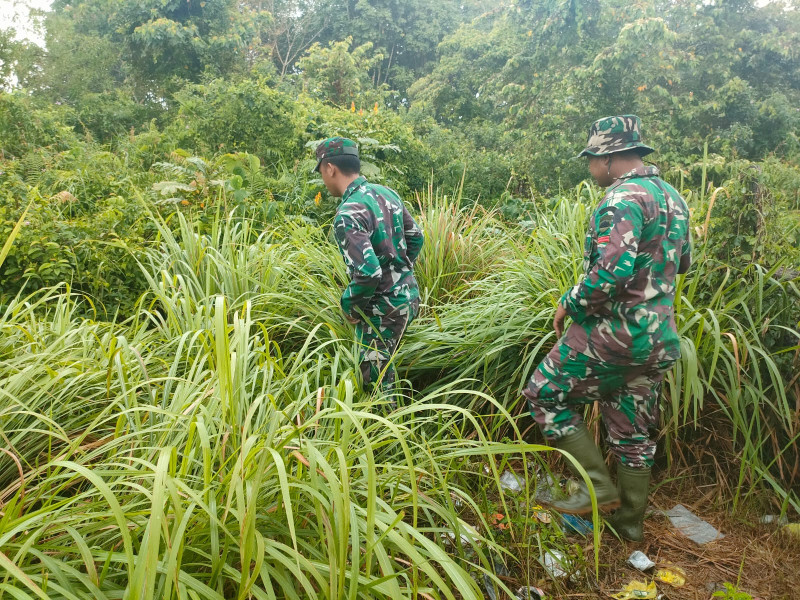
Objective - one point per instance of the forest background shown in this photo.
(499, 94)
(156, 179)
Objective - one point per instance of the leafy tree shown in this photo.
(222, 116)
(405, 32)
(9, 52)
(471, 58)
(290, 29)
(694, 72)
(339, 75)
(24, 127)
(159, 43)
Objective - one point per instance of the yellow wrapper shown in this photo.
(674, 576)
(637, 590)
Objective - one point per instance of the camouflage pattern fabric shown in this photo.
(623, 335)
(615, 134)
(335, 146)
(637, 243)
(379, 241)
(628, 399)
(378, 338)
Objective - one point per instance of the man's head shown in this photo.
(614, 147)
(338, 163)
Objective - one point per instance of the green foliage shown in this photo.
(259, 465)
(731, 592)
(180, 402)
(219, 430)
(754, 217)
(162, 40)
(392, 152)
(95, 252)
(12, 51)
(404, 34)
(338, 74)
(222, 116)
(24, 127)
(556, 66)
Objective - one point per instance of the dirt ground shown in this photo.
(761, 559)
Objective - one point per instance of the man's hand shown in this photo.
(558, 322)
(351, 320)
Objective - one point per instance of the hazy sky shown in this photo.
(15, 14)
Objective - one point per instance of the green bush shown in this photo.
(25, 127)
(245, 116)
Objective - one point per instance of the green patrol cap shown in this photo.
(615, 134)
(335, 146)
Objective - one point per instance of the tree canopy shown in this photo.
(519, 80)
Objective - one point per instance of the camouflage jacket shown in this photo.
(379, 241)
(638, 242)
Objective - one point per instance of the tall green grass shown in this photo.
(210, 465)
(216, 444)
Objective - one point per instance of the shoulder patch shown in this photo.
(605, 223)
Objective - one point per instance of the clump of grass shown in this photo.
(216, 444)
(462, 245)
(209, 465)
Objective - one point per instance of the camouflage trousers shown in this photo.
(378, 338)
(627, 395)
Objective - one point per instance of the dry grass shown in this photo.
(759, 558)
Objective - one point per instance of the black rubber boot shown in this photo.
(628, 520)
(581, 445)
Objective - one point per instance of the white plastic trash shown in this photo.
(512, 482)
(639, 560)
(555, 563)
(692, 526)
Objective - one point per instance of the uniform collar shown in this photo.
(357, 183)
(646, 171)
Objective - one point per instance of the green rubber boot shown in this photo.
(628, 520)
(581, 445)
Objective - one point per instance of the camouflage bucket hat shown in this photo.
(335, 146)
(615, 134)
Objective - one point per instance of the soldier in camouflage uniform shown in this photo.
(379, 241)
(623, 336)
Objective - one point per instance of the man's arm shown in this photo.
(619, 226)
(353, 237)
(414, 236)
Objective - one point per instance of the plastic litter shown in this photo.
(636, 590)
(792, 529)
(468, 536)
(576, 524)
(545, 487)
(512, 482)
(639, 560)
(692, 526)
(457, 502)
(488, 585)
(540, 514)
(530, 593)
(543, 516)
(674, 576)
(779, 520)
(555, 563)
(713, 586)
